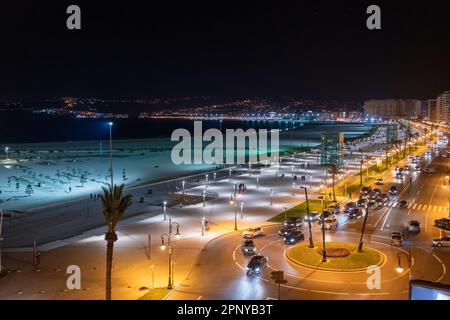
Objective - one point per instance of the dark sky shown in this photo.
(315, 49)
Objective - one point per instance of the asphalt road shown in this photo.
(219, 272)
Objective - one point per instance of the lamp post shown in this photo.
(311, 243)
(257, 182)
(229, 173)
(206, 181)
(233, 201)
(360, 171)
(204, 198)
(169, 243)
(164, 209)
(360, 245)
(110, 124)
(183, 183)
(271, 197)
(293, 189)
(399, 269)
(6, 153)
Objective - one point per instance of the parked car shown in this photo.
(349, 207)
(294, 237)
(396, 239)
(252, 233)
(293, 221)
(256, 265)
(355, 213)
(393, 190)
(379, 182)
(331, 223)
(403, 204)
(443, 223)
(413, 226)
(248, 247)
(442, 242)
(286, 229)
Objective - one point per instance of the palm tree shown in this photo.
(333, 170)
(113, 208)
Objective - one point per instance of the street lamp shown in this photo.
(183, 183)
(110, 124)
(242, 209)
(257, 182)
(233, 201)
(293, 189)
(271, 197)
(206, 180)
(169, 244)
(164, 209)
(311, 243)
(229, 173)
(360, 245)
(204, 198)
(6, 152)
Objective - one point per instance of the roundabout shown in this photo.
(341, 257)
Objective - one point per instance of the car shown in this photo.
(417, 158)
(443, 223)
(379, 182)
(417, 168)
(376, 192)
(334, 209)
(413, 226)
(325, 214)
(396, 168)
(293, 221)
(403, 204)
(294, 237)
(252, 233)
(396, 238)
(399, 176)
(248, 247)
(313, 216)
(362, 202)
(406, 168)
(442, 242)
(286, 229)
(355, 213)
(349, 207)
(331, 223)
(384, 197)
(256, 265)
(393, 190)
(426, 170)
(366, 190)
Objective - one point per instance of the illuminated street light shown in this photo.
(6, 152)
(164, 209)
(110, 124)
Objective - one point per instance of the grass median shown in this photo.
(355, 261)
(299, 210)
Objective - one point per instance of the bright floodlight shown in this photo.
(399, 269)
(110, 124)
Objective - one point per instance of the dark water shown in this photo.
(25, 127)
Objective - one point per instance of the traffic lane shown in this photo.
(216, 276)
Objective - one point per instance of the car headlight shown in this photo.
(257, 270)
(245, 249)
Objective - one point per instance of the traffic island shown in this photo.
(341, 257)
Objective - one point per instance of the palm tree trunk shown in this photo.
(110, 237)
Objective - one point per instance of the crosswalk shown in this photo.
(424, 207)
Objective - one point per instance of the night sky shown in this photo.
(143, 49)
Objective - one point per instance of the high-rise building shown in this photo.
(443, 107)
(332, 148)
(431, 114)
(393, 108)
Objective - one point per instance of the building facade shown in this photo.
(443, 107)
(393, 108)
